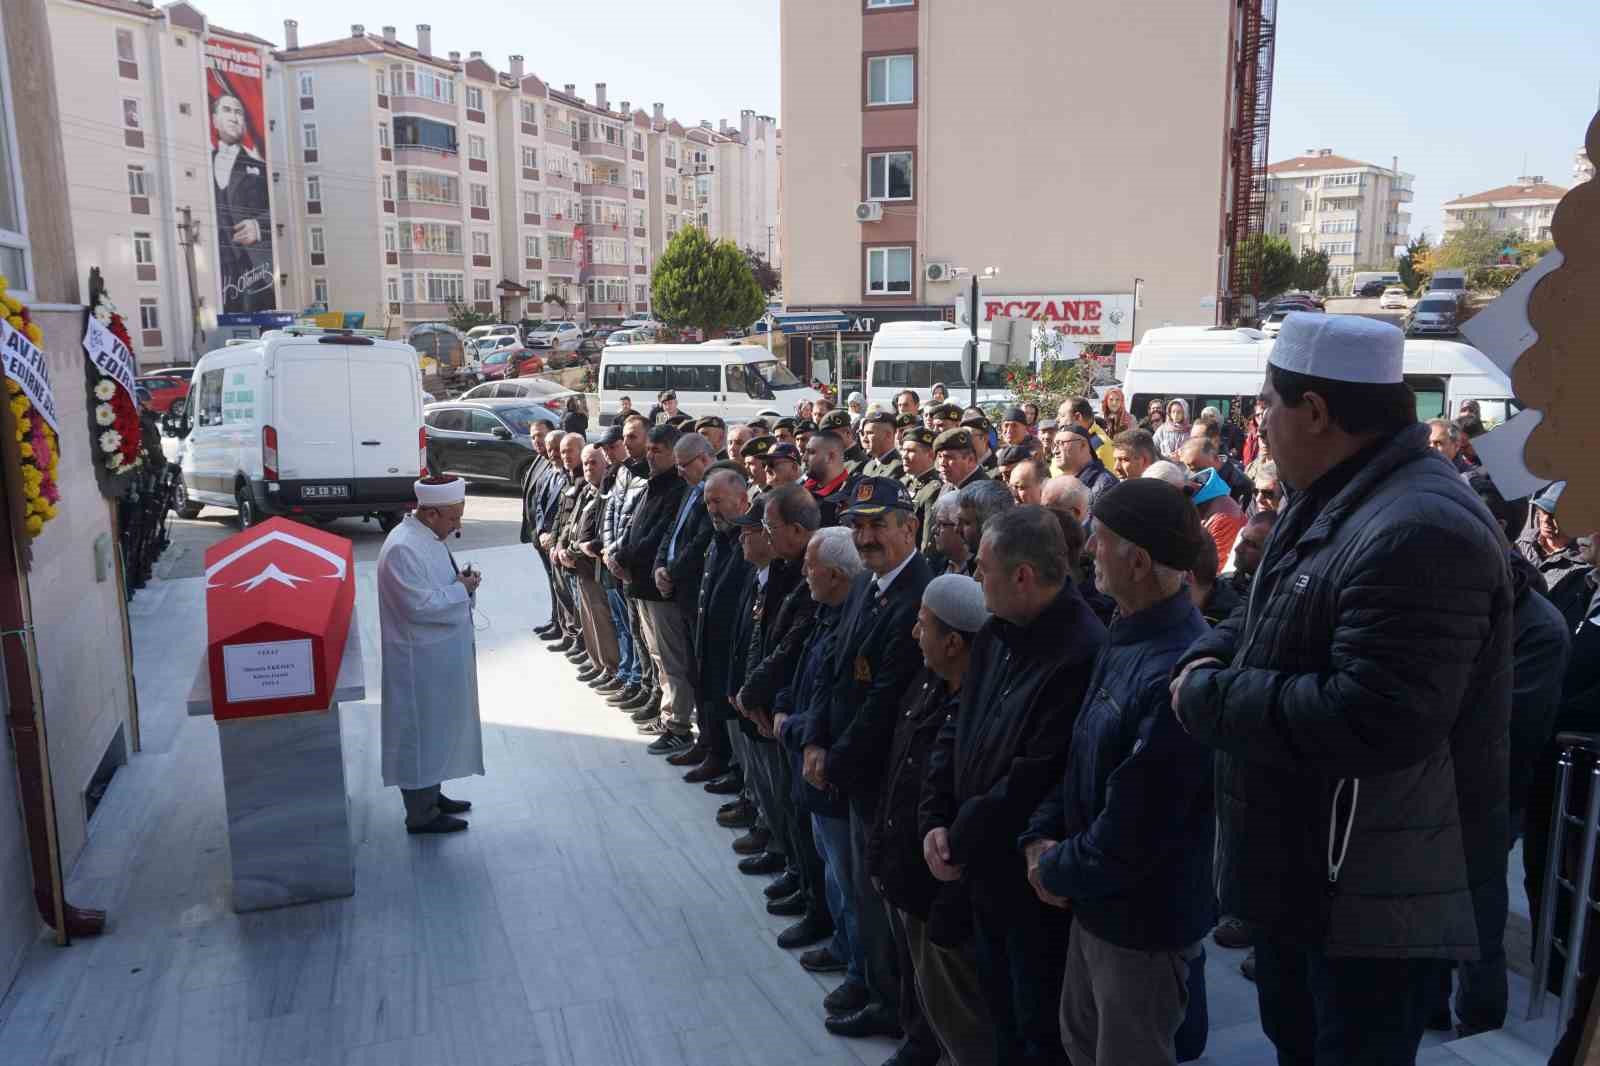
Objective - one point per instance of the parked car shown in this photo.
(1393, 297)
(594, 338)
(1436, 314)
(495, 365)
(1273, 323)
(556, 336)
(546, 393)
(501, 329)
(624, 336)
(485, 440)
(184, 372)
(642, 321)
(1371, 289)
(163, 390)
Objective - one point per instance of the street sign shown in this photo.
(1010, 341)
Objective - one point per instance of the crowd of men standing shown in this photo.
(1012, 715)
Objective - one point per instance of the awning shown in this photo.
(812, 322)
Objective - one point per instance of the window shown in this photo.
(149, 314)
(438, 237)
(1283, 206)
(672, 185)
(891, 80)
(318, 243)
(480, 242)
(1307, 206)
(391, 239)
(530, 203)
(308, 136)
(638, 218)
(388, 187)
(413, 132)
(383, 135)
(535, 291)
(889, 176)
(131, 114)
(640, 295)
(1344, 179)
(383, 83)
(888, 270)
(530, 113)
(1283, 228)
(474, 98)
(428, 187)
(319, 291)
(15, 261)
(560, 247)
(313, 187)
(694, 377)
(308, 85)
(137, 186)
(638, 181)
(530, 247)
(637, 378)
(144, 249)
(530, 158)
(638, 141)
(889, 3)
(1500, 214)
(638, 254)
(391, 288)
(480, 290)
(476, 149)
(127, 61)
(480, 195)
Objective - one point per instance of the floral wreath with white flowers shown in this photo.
(118, 434)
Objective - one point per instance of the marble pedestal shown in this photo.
(288, 811)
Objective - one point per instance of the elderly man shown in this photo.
(1200, 453)
(715, 431)
(629, 490)
(1266, 492)
(947, 552)
(1125, 838)
(1027, 480)
(1220, 514)
(1446, 438)
(848, 749)
(1359, 707)
(783, 465)
(1250, 549)
(877, 431)
(543, 473)
(636, 555)
(1545, 544)
(1013, 426)
(1080, 412)
(980, 502)
(940, 982)
(570, 449)
(974, 421)
(1067, 493)
(579, 552)
(738, 437)
(614, 489)
(1047, 436)
(998, 758)
(955, 453)
(430, 728)
(1075, 455)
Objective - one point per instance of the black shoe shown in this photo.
(706, 772)
(729, 784)
(623, 695)
(787, 885)
(847, 998)
(646, 714)
(812, 929)
(578, 657)
(693, 756)
(643, 698)
(547, 631)
(441, 823)
(733, 805)
(872, 1020)
(450, 806)
(669, 742)
(766, 863)
(753, 842)
(610, 685)
(823, 960)
(1248, 966)
(743, 816)
(590, 673)
(565, 644)
(789, 906)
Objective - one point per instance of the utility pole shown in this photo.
(187, 236)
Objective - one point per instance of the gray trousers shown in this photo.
(647, 665)
(422, 805)
(764, 772)
(666, 635)
(952, 998)
(1119, 1006)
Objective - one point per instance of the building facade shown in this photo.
(1331, 203)
(1524, 208)
(1582, 167)
(922, 158)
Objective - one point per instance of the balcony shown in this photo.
(558, 136)
(426, 155)
(558, 181)
(565, 268)
(531, 218)
(1400, 196)
(603, 150)
(599, 310)
(533, 264)
(606, 270)
(447, 210)
(422, 312)
(611, 190)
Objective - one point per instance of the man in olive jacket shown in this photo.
(1358, 706)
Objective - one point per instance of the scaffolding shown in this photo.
(1247, 208)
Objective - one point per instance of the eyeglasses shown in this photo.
(1267, 494)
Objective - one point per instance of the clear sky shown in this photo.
(1460, 92)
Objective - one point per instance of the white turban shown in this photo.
(440, 494)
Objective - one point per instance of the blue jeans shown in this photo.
(833, 843)
(628, 666)
(1321, 1011)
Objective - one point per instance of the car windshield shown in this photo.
(518, 418)
(1437, 306)
(1277, 316)
(776, 375)
(497, 357)
(1448, 283)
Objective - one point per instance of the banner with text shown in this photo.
(1079, 318)
(110, 356)
(25, 365)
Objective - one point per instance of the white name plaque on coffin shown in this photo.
(268, 671)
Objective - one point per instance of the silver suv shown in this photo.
(1436, 314)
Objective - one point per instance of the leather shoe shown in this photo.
(641, 700)
(709, 770)
(808, 930)
(733, 805)
(590, 673)
(753, 842)
(546, 631)
(729, 784)
(563, 645)
(823, 960)
(847, 998)
(787, 885)
(789, 906)
(617, 699)
(610, 685)
(692, 756)
(450, 806)
(646, 714)
(765, 863)
(741, 817)
(872, 1020)
(577, 656)
(442, 823)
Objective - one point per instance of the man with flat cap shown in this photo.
(955, 453)
(666, 407)
(1358, 708)
(877, 429)
(430, 728)
(783, 464)
(1126, 835)
(784, 428)
(1013, 427)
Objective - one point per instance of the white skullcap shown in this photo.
(957, 601)
(440, 494)
(1167, 471)
(1340, 347)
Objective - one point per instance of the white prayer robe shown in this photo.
(431, 731)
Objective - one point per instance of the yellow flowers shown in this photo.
(37, 444)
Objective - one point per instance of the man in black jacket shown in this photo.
(875, 661)
(1359, 707)
(565, 502)
(997, 760)
(652, 521)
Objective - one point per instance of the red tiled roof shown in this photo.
(361, 46)
(1541, 190)
(239, 35)
(1308, 163)
(126, 7)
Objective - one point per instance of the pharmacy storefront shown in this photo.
(830, 344)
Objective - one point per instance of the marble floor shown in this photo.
(592, 916)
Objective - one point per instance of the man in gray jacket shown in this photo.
(1359, 708)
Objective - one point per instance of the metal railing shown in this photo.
(1578, 884)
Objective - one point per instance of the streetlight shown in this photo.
(988, 273)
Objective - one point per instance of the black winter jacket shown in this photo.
(782, 614)
(689, 563)
(1004, 752)
(651, 522)
(1133, 813)
(1370, 672)
(806, 694)
(717, 620)
(894, 846)
(1539, 661)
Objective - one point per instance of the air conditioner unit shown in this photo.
(869, 211)
(937, 271)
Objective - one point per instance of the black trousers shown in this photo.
(1021, 947)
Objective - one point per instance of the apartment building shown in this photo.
(1582, 167)
(1350, 209)
(135, 88)
(1524, 208)
(926, 141)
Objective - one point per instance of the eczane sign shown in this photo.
(1104, 318)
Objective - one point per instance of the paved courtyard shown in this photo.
(592, 916)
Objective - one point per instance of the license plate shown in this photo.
(325, 492)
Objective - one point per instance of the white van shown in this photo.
(1225, 368)
(915, 355)
(318, 423)
(734, 381)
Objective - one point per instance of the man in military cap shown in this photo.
(921, 478)
(804, 430)
(714, 430)
(903, 422)
(882, 459)
(783, 464)
(682, 421)
(1014, 426)
(975, 421)
(783, 429)
(838, 422)
(754, 457)
(1047, 437)
(944, 416)
(666, 407)
(957, 458)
